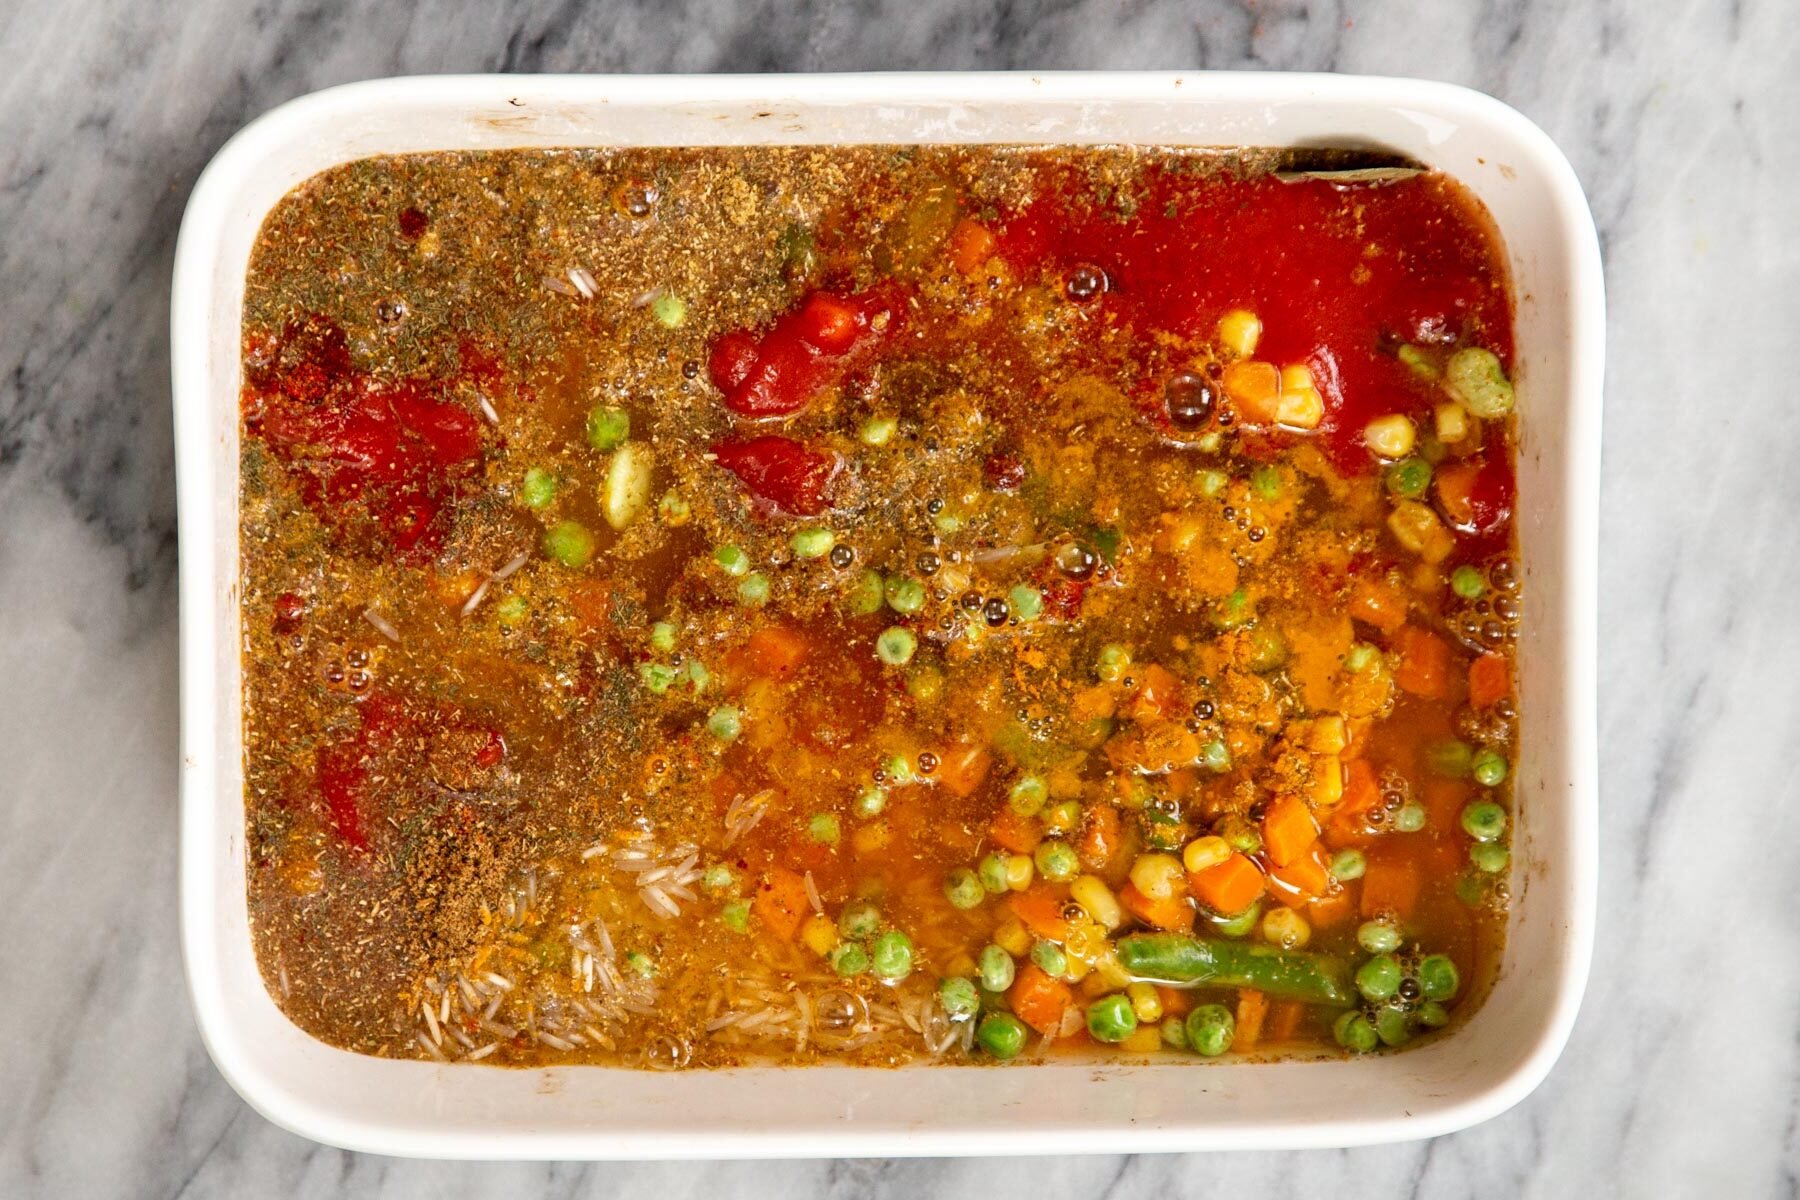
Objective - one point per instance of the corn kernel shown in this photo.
(1013, 937)
(1205, 852)
(1418, 529)
(871, 838)
(1328, 780)
(1296, 376)
(1239, 331)
(1300, 408)
(1451, 421)
(1091, 984)
(961, 966)
(819, 934)
(1145, 1039)
(1019, 870)
(1144, 1001)
(1086, 941)
(1156, 875)
(1282, 926)
(1329, 734)
(1392, 436)
(1111, 972)
(1097, 900)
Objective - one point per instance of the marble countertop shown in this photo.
(1681, 1075)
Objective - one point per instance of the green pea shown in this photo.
(896, 645)
(1475, 377)
(725, 723)
(1056, 860)
(732, 560)
(1111, 1019)
(669, 310)
(662, 637)
(1242, 923)
(1268, 650)
(699, 678)
(1378, 937)
(539, 488)
(1488, 767)
(1471, 889)
(925, 684)
(1433, 1015)
(823, 827)
(1028, 795)
(1449, 758)
(1211, 482)
(1484, 821)
(753, 588)
(891, 954)
(1210, 1028)
(1468, 582)
(1026, 602)
(959, 998)
(865, 595)
(996, 969)
(512, 610)
(1410, 817)
(718, 877)
(812, 543)
(1001, 1035)
(1234, 610)
(569, 543)
(1348, 864)
(904, 594)
(1360, 657)
(1391, 1027)
(1266, 483)
(1491, 857)
(1216, 756)
(859, 920)
(1417, 362)
(607, 427)
(870, 801)
(736, 915)
(1354, 1033)
(1379, 978)
(878, 431)
(991, 870)
(1113, 662)
(657, 676)
(1174, 1033)
(1438, 978)
(963, 889)
(1062, 816)
(849, 958)
(1050, 959)
(948, 521)
(898, 770)
(674, 509)
(639, 964)
(1409, 478)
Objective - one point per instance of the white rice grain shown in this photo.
(584, 282)
(476, 596)
(382, 625)
(429, 1048)
(558, 286)
(487, 410)
(812, 895)
(478, 1055)
(510, 568)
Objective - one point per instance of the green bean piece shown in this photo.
(569, 543)
(1216, 756)
(1111, 1019)
(1179, 959)
(1210, 1028)
(1360, 657)
(1001, 1035)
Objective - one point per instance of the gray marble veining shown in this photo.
(1678, 116)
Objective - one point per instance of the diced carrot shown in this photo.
(1283, 1021)
(962, 768)
(1174, 913)
(1424, 666)
(1180, 784)
(1361, 793)
(1038, 999)
(1444, 800)
(1489, 681)
(1375, 603)
(1018, 834)
(1288, 829)
(971, 245)
(1252, 1008)
(1040, 908)
(1390, 884)
(775, 650)
(1254, 388)
(1100, 837)
(1455, 491)
(1156, 695)
(1176, 1002)
(781, 902)
(1301, 881)
(1228, 887)
(1331, 909)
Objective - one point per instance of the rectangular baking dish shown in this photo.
(419, 1108)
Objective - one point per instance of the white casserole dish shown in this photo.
(421, 1108)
